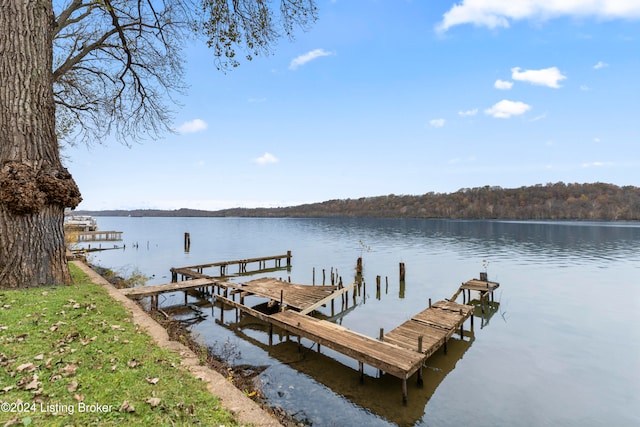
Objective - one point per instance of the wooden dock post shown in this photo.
(420, 382)
(288, 259)
(402, 271)
(381, 339)
(405, 394)
(187, 242)
(378, 287)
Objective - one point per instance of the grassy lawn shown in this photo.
(71, 355)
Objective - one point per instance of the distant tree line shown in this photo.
(557, 201)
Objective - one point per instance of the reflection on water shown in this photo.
(560, 349)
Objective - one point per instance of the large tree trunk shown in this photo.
(34, 186)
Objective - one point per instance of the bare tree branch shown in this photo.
(117, 63)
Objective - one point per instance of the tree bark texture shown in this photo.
(34, 186)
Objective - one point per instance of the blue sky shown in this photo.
(389, 96)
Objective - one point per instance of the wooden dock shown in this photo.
(197, 271)
(97, 236)
(154, 291)
(302, 298)
(484, 286)
(430, 329)
(401, 352)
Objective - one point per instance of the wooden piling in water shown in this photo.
(187, 242)
(402, 271)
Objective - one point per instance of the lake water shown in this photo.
(562, 348)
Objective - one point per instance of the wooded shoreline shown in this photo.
(559, 201)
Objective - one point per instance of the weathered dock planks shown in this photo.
(300, 297)
(196, 271)
(154, 290)
(484, 286)
(401, 352)
(430, 329)
(395, 360)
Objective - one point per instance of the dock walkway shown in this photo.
(483, 286)
(197, 271)
(303, 298)
(400, 353)
(397, 361)
(430, 329)
(154, 290)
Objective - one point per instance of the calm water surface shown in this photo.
(562, 348)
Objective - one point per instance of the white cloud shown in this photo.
(584, 88)
(505, 109)
(437, 123)
(502, 85)
(496, 13)
(545, 77)
(266, 158)
(309, 56)
(468, 112)
(196, 125)
(599, 65)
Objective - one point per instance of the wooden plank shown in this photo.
(435, 325)
(255, 313)
(395, 360)
(328, 298)
(296, 296)
(453, 306)
(146, 291)
(237, 261)
(438, 318)
(480, 285)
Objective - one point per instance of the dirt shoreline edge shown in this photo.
(243, 408)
